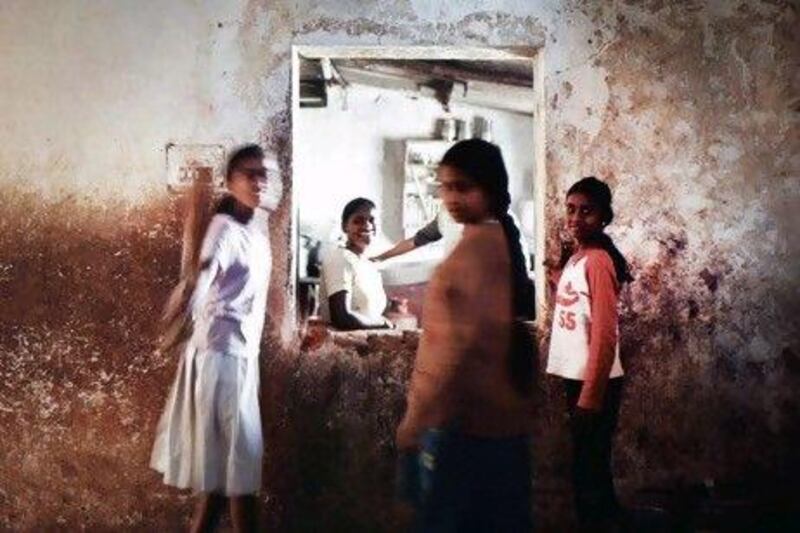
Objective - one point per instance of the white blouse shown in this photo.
(229, 300)
(342, 270)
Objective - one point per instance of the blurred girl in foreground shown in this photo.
(209, 436)
(468, 415)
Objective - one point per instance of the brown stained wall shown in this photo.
(688, 110)
(81, 288)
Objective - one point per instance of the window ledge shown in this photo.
(362, 341)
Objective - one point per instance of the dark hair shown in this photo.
(242, 153)
(482, 162)
(353, 206)
(227, 206)
(600, 193)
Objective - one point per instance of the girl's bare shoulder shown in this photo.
(482, 237)
(481, 248)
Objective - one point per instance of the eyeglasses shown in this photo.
(253, 173)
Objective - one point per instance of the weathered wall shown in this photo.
(689, 111)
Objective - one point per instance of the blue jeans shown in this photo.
(460, 483)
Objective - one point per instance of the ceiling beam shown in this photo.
(441, 70)
(478, 93)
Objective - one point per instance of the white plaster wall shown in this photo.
(91, 92)
(354, 147)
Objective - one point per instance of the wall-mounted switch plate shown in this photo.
(187, 163)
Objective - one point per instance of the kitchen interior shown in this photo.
(376, 128)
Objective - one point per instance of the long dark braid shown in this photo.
(523, 356)
(523, 300)
(483, 162)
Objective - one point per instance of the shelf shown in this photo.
(420, 200)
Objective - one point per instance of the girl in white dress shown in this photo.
(209, 437)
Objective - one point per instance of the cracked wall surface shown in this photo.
(688, 109)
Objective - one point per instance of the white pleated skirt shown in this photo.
(209, 436)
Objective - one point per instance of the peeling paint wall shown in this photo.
(689, 110)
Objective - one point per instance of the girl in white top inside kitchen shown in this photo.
(351, 288)
(584, 348)
(209, 437)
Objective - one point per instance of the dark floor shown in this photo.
(711, 507)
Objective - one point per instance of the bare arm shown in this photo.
(402, 247)
(427, 234)
(344, 318)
